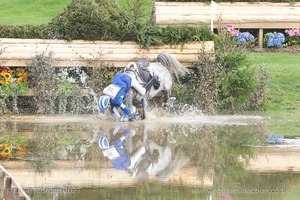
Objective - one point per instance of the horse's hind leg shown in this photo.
(167, 94)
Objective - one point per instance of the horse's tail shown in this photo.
(172, 64)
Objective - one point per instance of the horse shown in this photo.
(168, 70)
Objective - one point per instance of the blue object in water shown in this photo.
(103, 142)
(275, 139)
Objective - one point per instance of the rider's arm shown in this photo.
(137, 85)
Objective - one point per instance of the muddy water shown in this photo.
(190, 156)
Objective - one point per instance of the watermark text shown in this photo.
(240, 191)
(51, 190)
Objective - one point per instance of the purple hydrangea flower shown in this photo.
(244, 37)
(275, 39)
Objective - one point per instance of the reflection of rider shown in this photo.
(144, 158)
(115, 94)
(116, 152)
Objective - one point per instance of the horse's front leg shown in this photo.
(145, 107)
(129, 100)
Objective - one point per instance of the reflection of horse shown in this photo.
(141, 156)
(168, 69)
(159, 160)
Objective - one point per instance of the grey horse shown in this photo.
(167, 69)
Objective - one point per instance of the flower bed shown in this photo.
(289, 37)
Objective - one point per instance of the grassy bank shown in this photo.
(283, 88)
(32, 12)
(282, 103)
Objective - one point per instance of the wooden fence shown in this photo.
(19, 52)
(9, 188)
(241, 15)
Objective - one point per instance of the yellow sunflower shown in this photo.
(6, 73)
(22, 75)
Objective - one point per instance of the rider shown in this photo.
(115, 94)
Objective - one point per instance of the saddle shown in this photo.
(145, 75)
(143, 64)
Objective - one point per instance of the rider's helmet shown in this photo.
(103, 142)
(131, 66)
(103, 102)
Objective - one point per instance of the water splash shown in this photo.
(185, 113)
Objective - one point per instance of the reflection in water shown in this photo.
(177, 160)
(143, 157)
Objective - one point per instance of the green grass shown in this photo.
(32, 12)
(293, 194)
(283, 87)
(282, 92)
(37, 12)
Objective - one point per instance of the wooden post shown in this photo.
(260, 38)
(9, 192)
(2, 174)
(14, 193)
(7, 189)
(22, 198)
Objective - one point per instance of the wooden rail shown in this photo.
(241, 15)
(66, 174)
(19, 52)
(9, 188)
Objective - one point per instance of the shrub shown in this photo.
(89, 20)
(237, 81)
(56, 90)
(43, 82)
(106, 20)
(202, 89)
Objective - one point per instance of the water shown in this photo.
(186, 156)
